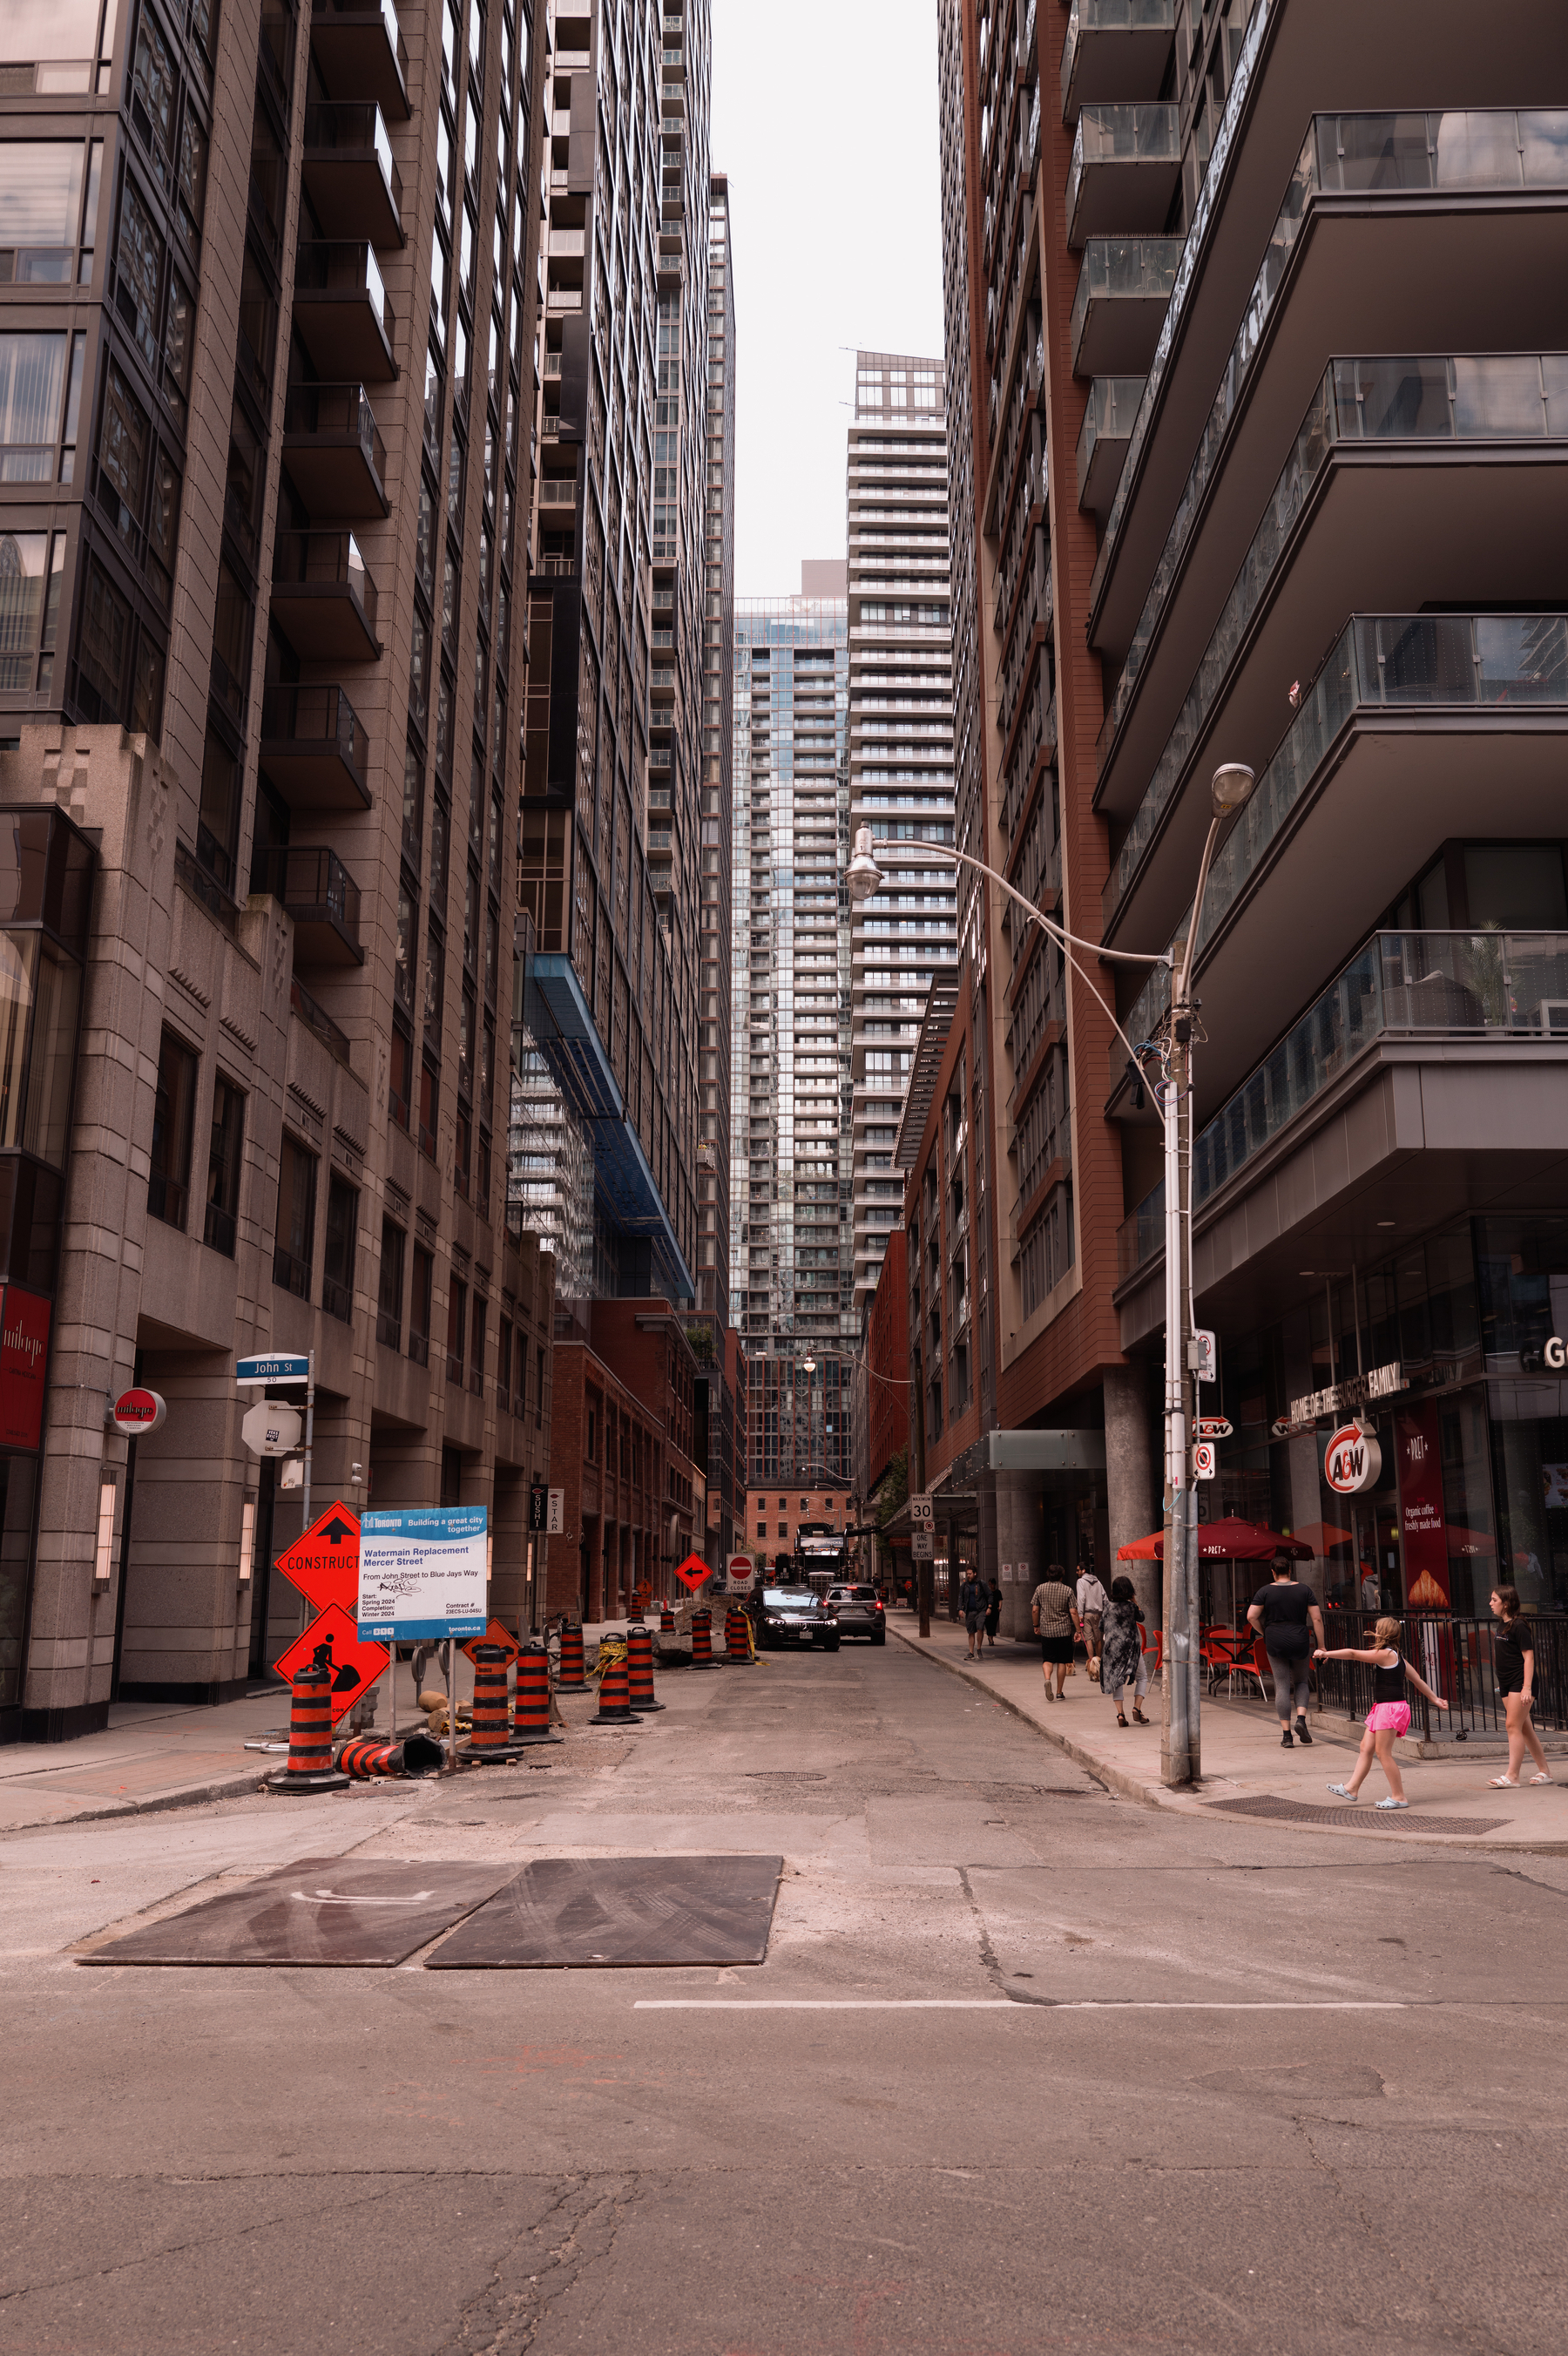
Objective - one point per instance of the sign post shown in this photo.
(278, 1368)
(923, 1551)
(422, 1573)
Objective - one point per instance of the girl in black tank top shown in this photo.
(1389, 1717)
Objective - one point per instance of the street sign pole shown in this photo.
(309, 1431)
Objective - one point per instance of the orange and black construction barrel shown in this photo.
(571, 1680)
(666, 1618)
(614, 1692)
(310, 1767)
(530, 1716)
(640, 1670)
(736, 1638)
(489, 1737)
(369, 1755)
(702, 1640)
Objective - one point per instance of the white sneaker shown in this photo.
(1341, 1793)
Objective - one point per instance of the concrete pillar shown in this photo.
(1133, 1503)
(1013, 1539)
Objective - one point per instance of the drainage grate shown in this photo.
(782, 1775)
(1297, 1812)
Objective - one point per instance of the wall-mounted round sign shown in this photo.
(138, 1412)
(1352, 1460)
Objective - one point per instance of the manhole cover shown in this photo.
(1298, 1812)
(562, 1911)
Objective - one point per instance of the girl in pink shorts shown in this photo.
(1390, 1714)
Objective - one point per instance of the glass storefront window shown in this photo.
(37, 1058)
(1523, 1270)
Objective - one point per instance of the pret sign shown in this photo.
(136, 1412)
(354, 1663)
(1352, 1460)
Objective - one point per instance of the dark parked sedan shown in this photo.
(794, 1615)
(860, 1612)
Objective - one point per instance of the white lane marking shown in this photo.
(975, 2004)
(329, 1897)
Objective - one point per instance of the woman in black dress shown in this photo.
(1280, 1613)
(1513, 1656)
(1121, 1647)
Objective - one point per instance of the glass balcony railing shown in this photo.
(1507, 398)
(1108, 415)
(1476, 985)
(345, 268)
(316, 888)
(332, 411)
(324, 559)
(1398, 155)
(1499, 662)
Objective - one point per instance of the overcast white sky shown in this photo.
(825, 119)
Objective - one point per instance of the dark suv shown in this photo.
(860, 1612)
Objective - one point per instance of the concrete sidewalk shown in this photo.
(1246, 1771)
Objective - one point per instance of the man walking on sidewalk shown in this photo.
(972, 1602)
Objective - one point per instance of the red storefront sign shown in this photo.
(1422, 1523)
(24, 1352)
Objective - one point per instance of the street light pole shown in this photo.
(1180, 1741)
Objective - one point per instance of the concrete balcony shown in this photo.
(321, 896)
(342, 313)
(324, 598)
(314, 749)
(1114, 50)
(349, 174)
(1126, 161)
(334, 452)
(1124, 289)
(1102, 438)
(358, 50)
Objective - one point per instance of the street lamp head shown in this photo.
(809, 1366)
(1231, 785)
(863, 875)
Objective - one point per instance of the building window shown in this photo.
(223, 1154)
(504, 1365)
(419, 1306)
(476, 1348)
(592, 1437)
(456, 1323)
(401, 1076)
(538, 1394)
(390, 1295)
(294, 1245)
(342, 1230)
(429, 1097)
(174, 1104)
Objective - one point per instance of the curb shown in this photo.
(192, 1796)
(1194, 1811)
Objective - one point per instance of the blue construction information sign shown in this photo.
(422, 1573)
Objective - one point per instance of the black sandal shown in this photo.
(1120, 1719)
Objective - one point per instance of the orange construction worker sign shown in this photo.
(356, 1665)
(497, 1633)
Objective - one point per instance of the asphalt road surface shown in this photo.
(1028, 2067)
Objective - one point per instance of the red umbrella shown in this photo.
(1324, 1537)
(1230, 1540)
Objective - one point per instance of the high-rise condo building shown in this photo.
(268, 315)
(1260, 314)
(718, 768)
(900, 758)
(790, 1212)
(610, 806)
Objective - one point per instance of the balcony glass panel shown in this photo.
(1396, 155)
(1124, 269)
(1512, 397)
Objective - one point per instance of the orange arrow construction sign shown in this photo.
(324, 1564)
(354, 1665)
(693, 1572)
